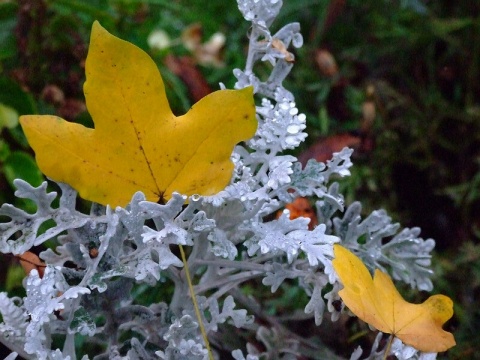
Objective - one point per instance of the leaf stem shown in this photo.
(389, 346)
(195, 304)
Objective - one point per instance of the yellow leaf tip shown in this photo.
(96, 25)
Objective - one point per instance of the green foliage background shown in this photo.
(417, 61)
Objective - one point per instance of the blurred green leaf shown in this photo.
(4, 150)
(173, 5)
(11, 94)
(20, 165)
(8, 12)
(8, 117)
(17, 134)
(323, 121)
(94, 9)
(15, 275)
(441, 27)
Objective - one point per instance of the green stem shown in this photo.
(389, 346)
(195, 304)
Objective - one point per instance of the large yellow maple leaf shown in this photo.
(377, 302)
(138, 144)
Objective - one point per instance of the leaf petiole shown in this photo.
(389, 346)
(195, 304)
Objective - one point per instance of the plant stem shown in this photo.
(389, 346)
(195, 304)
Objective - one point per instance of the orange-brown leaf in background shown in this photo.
(186, 69)
(323, 149)
(326, 63)
(301, 207)
(30, 261)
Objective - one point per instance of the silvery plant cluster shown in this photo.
(114, 286)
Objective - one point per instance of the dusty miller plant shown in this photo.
(108, 259)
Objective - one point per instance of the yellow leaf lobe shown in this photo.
(138, 144)
(377, 302)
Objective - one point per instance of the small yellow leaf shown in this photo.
(377, 302)
(138, 144)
